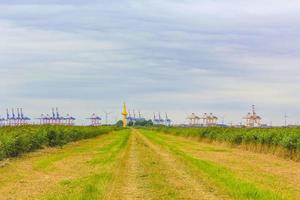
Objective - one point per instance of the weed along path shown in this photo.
(142, 164)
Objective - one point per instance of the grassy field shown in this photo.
(147, 164)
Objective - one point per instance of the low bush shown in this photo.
(18, 140)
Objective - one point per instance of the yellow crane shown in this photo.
(124, 113)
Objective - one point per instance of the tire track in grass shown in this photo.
(140, 175)
(180, 177)
(124, 185)
(148, 173)
(223, 178)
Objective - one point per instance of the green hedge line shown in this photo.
(18, 140)
(287, 138)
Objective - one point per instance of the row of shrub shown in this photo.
(18, 140)
(285, 138)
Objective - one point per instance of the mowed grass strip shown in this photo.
(143, 174)
(48, 163)
(40, 174)
(99, 173)
(222, 177)
(178, 176)
(266, 171)
(284, 142)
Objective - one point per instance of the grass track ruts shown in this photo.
(149, 172)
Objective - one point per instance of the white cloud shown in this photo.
(175, 56)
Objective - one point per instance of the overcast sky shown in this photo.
(175, 56)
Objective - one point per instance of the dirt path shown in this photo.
(269, 175)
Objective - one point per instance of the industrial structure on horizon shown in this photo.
(130, 118)
(161, 121)
(15, 117)
(252, 119)
(56, 119)
(133, 118)
(95, 120)
(206, 120)
(210, 120)
(124, 115)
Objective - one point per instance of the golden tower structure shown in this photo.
(124, 113)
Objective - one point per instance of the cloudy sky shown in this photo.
(175, 56)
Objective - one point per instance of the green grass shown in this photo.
(95, 184)
(15, 141)
(112, 150)
(222, 177)
(151, 166)
(46, 163)
(86, 188)
(281, 141)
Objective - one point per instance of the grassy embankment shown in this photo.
(284, 142)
